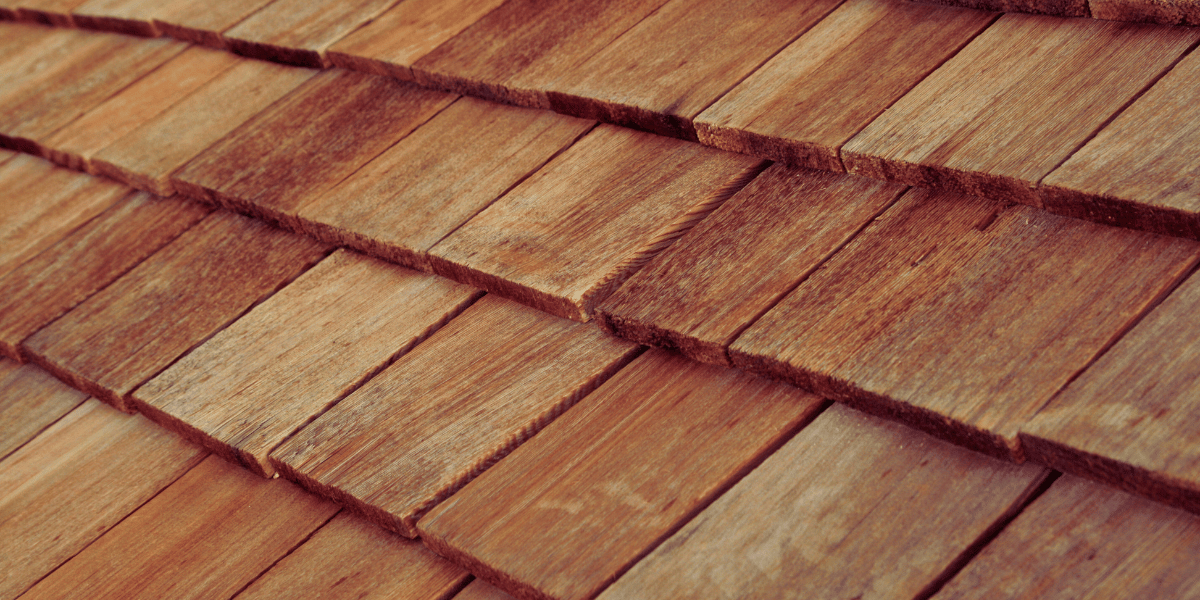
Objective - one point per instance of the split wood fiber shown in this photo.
(86, 261)
(1166, 12)
(306, 142)
(852, 507)
(30, 400)
(1061, 8)
(703, 291)
(166, 305)
(445, 412)
(574, 507)
(298, 32)
(207, 535)
(571, 233)
(807, 101)
(76, 480)
(292, 357)
(426, 186)
(1014, 104)
(187, 20)
(961, 316)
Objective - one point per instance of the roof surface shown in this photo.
(615, 299)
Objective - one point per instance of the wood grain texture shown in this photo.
(1014, 104)
(571, 233)
(571, 509)
(205, 536)
(30, 400)
(296, 354)
(350, 558)
(298, 32)
(513, 52)
(76, 143)
(1087, 541)
(187, 291)
(43, 204)
(1061, 8)
(963, 317)
(431, 182)
(145, 157)
(803, 104)
(1141, 170)
(99, 65)
(50, 12)
(85, 262)
(75, 481)
(462, 400)
(307, 142)
(115, 16)
(404, 34)
(703, 291)
(482, 590)
(1127, 420)
(679, 60)
(200, 23)
(852, 507)
(1166, 12)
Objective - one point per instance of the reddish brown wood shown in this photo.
(30, 400)
(298, 32)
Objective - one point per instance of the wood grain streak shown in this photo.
(199, 23)
(30, 400)
(298, 32)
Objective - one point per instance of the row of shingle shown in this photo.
(1171, 12)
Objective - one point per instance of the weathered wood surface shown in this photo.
(27, 49)
(1083, 540)
(431, 182)
(52, 12)
(1166, 12)
(571, 509)
(43, 204)
(98, 66)
(680, 59)
(115, 16)
(187, 291)
(307, 142)
(1062, 8)
(1129, 419)
(298, 32)
(404, 34)
(296, 354)
(514, 51)
(445, 412)
(1142, 169)
(1014, 104)
(30, 400)
(852, 507)
(571, 233)
(76, 143)
(703, 291)
(482, 590)
(197, 22)
(85, 262)
(802, 105)
(75, 481)
(961, 316)
(207, 535)
(350, 558)
(146, 156)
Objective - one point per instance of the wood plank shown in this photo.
(816, 94)
(1061, 8)
(1168, 12)
(307, 142)
(43, 204)
(101, 65)
(76, 143)
(276, 369)
(1141, 170)
(178, 297)
(1088, 541)
(1127, 419)
(679, 60)
(961, 316)
(145, 157)
(49, 12)
(431, 182)
(570, 234)
(404, 34)
(199, 23)
(804, 524)
(350, 558)
(205, 536)
(74, 482)
(298, 32)
(510, 54)
(1014, 104)
(426, 426)
(113, 15)
(482, 590)
(574, 507)
(85, 262)
(30, 400)
(702, 292)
